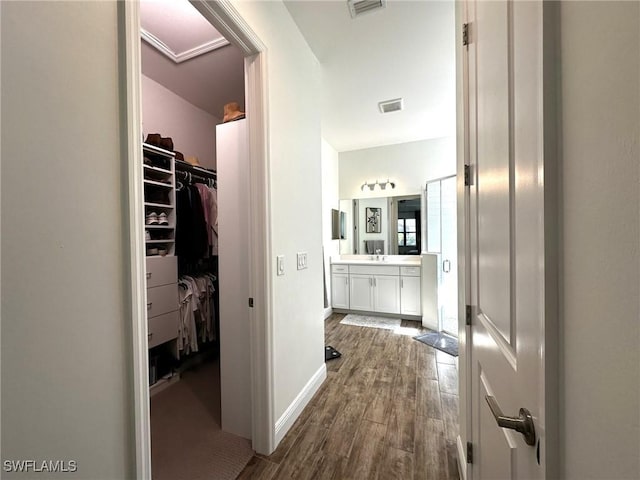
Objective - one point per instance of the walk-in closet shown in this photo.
(195, 174)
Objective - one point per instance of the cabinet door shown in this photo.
(410, 296)
(386, 293)
(361, 290)
(340, 290)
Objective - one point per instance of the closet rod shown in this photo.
(200, 171)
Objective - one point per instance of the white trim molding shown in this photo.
(294, 410)
(328, 312)
(131, 148)
(462, 458)
(179, 57)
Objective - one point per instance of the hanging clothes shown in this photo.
(191, 229)
(197, 312)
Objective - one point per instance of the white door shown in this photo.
(386, 293)
(508, 260)
(340, 290)
(361, 292)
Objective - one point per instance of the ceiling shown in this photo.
(404, 50)
(184, 53)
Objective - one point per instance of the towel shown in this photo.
(370, 246)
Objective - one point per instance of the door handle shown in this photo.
(522, 424)
(446, 266)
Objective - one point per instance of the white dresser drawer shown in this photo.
(162, 300)
(375, 269)
(162, 271)
(162, 329)
(339, 268)
(410, 271)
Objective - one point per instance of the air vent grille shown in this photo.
(391, 105)
(360, 7)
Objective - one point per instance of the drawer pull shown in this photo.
(149, 305)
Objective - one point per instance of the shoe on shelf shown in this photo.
(147, 235)
(162, 219)
(152, 251)
(152, 218)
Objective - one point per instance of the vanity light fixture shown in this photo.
(382, 185)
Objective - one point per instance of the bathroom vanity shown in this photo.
(392, 285)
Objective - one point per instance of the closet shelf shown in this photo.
(157, 184)
(158, 169)
(158, 205)
(165, 227)
(166, 240)
(159, 151)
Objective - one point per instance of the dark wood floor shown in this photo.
(388, 410)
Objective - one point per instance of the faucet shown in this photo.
(378, 251)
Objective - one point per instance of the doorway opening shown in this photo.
(256, 402)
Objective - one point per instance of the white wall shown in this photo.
(66, 386)
(296, 198)
(600, 216)
(192, 130)
(329, 201)
(409, 165)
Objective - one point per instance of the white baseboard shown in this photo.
(462, 459)
(284, 423)
(327, 312)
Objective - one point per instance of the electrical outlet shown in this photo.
(302, 260)
(280, 264)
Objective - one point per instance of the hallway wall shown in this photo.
(66, 385)
(600, 216)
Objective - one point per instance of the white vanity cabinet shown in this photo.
(410, 300)
(340, 286)
(390, 287)
(375, 288)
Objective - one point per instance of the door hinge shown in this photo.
(469, 452)
(465, 34)
(468, 315)
(251, 303)
(467, 175)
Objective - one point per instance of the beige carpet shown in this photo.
(186, 440)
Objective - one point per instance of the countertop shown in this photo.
(393, 260)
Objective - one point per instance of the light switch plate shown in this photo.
(280, 264)
(302, 260)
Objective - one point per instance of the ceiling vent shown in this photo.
(391, 105)
(360, 7)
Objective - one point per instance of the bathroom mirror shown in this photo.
(399, 229)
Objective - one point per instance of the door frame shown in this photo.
(224, 17)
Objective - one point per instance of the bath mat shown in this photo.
(441, 341)
(373, 322)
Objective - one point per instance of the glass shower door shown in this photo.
(442, 240)
(449, 259)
